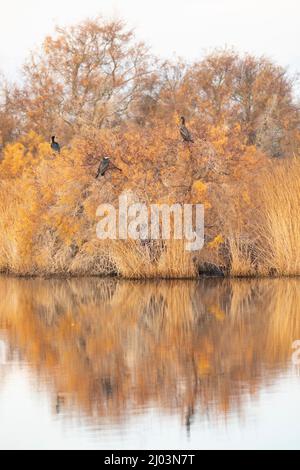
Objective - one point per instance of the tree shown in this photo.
(7, 118)
(225, 89)
(86, 76)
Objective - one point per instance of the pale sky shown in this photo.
(187, 28)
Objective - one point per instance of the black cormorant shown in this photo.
(55, 145)
(184, 132)
(104, 165)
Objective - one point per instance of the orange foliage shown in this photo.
(102, 93)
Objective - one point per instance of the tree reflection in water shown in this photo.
(110, 348)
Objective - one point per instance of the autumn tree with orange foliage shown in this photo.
(101, 92)
(97, 75)
(85, 77)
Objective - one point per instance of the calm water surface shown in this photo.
(160, 365)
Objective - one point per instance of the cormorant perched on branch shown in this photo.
(184, 132)
(55, 145)
(105, 165)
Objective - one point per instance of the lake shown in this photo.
(109, 364)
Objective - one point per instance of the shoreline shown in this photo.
(65, 277)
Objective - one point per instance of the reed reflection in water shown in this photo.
(112, 354)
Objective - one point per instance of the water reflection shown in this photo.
(108, 350)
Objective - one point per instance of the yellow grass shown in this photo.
(135, 261)
(35, 241)
(275, 231)
(279, 233)
(241, 262)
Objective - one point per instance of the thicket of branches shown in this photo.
(96, 75)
